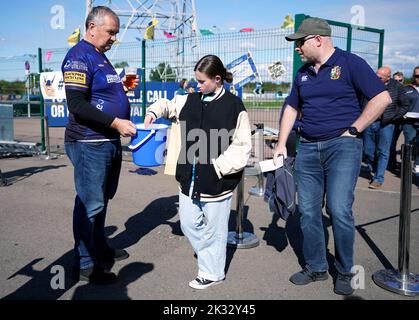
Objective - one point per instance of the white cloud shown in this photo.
(400, 21)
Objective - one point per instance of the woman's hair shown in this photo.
(182, 83)
(212, 66)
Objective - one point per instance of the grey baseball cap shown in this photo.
(311, 26)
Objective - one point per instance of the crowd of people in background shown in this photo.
(381, 148)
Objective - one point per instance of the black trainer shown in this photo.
(113, 255)
(307, 276)
(95, 275)
(343, 285)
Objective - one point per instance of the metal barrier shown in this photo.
(240, 239)
(259, 189)
(6, 122)
(401, 281)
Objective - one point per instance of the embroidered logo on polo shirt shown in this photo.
(335, 73)
(304, 78)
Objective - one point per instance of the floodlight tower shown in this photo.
(177, 17)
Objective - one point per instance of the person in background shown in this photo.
(183, 84)
(378, 136)
(399, 77)
(411, 125)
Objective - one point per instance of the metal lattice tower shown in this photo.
(175, 16)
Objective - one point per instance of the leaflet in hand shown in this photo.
(268, 165)
(414, 115)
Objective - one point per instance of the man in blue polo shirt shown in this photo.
(99, 115)
(327, 90)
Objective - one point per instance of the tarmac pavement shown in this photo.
(36, 237)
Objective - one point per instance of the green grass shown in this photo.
(271, 104)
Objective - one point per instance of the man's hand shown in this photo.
(149, 119)
(125, 127)
(279, 150)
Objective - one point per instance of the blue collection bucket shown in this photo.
(148, 145)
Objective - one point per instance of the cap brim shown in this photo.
(296, 36)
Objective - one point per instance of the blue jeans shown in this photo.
(205, 224)
(378, 139)
(97, 166)
(330, 167)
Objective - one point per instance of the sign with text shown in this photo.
(243, 70)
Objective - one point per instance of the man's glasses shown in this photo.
(300, 42)
(399, 80)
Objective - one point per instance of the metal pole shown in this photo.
(48, 155)
(143, 78)
(27, 94)
(401, 281)
(259, 189)
(240, 239)
(41, 102)
(405, 208)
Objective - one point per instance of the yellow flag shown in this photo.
(288, 22)
(74, 38)
(149, 31)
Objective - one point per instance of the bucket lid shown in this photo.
(159, 126)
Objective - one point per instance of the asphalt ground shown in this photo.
(36, 237)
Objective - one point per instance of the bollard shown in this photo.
(258, 190)
(401, 281)
(240, 239)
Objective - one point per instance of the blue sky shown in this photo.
(25, 25)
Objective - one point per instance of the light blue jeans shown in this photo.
(205, 224)
(377, 142)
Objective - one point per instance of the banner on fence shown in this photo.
(56, 106)
(243, 70)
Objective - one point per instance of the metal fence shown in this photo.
(177, 58)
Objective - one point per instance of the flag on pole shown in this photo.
(247, 30)
(149, 31)
(74, 38)
(169, 35)
(48, 56)
(288, 22)
(206, 32)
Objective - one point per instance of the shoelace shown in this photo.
(344, 277)
(201, 280)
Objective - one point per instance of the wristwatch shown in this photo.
(354, 131)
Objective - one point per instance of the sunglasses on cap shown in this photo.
(300, 42)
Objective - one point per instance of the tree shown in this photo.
(163, 72)
(121, 64)
(12, 87)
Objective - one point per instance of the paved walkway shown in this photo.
(36, 237)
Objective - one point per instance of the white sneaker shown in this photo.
(201, 283)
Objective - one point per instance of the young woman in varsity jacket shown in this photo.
(215, 147)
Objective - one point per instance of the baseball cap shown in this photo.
(311, 26)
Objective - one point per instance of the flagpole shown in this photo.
(41, 102)
(143, 78)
